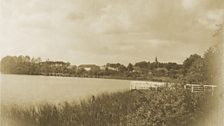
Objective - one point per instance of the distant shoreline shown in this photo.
(115, 78)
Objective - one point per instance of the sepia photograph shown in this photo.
(111, 63)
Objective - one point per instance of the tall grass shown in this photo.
(163, 107)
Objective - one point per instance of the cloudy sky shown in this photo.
(101, 31)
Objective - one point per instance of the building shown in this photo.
(108, 68)
(112, 68)
(89, 67)
(103, 67)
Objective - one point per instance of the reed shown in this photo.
(168, 107)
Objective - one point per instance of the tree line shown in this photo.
(195, 69)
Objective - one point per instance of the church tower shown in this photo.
(156, 60)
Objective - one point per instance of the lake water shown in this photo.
(37, 89)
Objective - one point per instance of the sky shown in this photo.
(102, 31)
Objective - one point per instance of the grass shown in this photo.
(164, 107)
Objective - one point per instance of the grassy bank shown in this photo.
(164, 107)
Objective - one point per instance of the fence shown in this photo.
(146, 85)
(200, 88)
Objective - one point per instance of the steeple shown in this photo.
(156, 60)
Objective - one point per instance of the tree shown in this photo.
(195, 73)
(213, 64)
(193, 69)
(81, 72)
(160, 72)
(143, 67)
(189, 61)
(122, 69)
(130, 67)
(142, 64)
(8, 64)
(174, 66)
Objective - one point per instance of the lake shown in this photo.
(28, 89)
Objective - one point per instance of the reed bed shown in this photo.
(162, 107)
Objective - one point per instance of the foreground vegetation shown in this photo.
(163, 107)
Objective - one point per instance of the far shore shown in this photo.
(157, 79)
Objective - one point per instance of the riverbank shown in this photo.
(169, 107)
